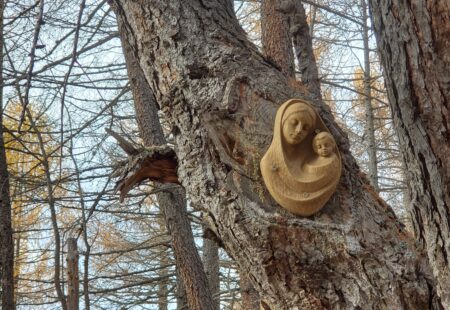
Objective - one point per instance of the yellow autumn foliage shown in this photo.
(26, 179)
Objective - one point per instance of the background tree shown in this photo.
(413, 43)
(171, 200)
(6, 239)
(27, 174)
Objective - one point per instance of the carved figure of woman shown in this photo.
(289, 165)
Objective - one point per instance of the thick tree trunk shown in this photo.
(413, 40)
(249, 296)
(302, 42)
(276, 41)
(171, 201)
(220, 95)
(6, 239)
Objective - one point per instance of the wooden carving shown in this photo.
(302, 166)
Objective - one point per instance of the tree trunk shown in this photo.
(413, 40)
(163, 259)
(211, 263)
(6, 239)
(73, 281)
(276, 41)
(370, 128)
(249, 296)
(302, 42)
(220, 96)
(171, 201)
(181, 292)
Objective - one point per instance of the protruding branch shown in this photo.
(157, 163)
(123, 143)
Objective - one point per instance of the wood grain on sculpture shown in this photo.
(302, 166)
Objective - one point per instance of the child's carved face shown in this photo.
(324, 146)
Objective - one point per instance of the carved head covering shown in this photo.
(279, 145)
(297, 107)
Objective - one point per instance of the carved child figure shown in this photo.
(326, 160)
(324, 144)
(325, 147)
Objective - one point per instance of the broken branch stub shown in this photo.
(156, 163)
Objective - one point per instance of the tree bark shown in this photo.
(249, 296)
(220, 96)
(181, 292)
(73, 280)
(6, 239)
(275, 37)
(302, 42)
(171, 201)
(164, 257)
(413, 40)
(370, 128)
(212, 268)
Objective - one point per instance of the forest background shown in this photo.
(64, 81)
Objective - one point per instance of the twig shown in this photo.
(37, 29)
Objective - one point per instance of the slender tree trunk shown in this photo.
(413, 40)
(220, 96)
(313, 12)
(211, 263)
(171, 201)
(57, 254)
(163, 259)
(6, 239)
(73, 281)
(181, 293)
(370, 128)
(275, 35)
(87, 257)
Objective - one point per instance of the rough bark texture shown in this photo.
(220, 95)
(249, 296)
(211, 263)
(413, 39)
(181, 292)
(73, 281)
(171, 201)
(276, 38)
(6, 240)
(302, 42)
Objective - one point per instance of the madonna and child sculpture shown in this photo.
(302, 166)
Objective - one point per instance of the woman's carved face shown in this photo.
(296, 127)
